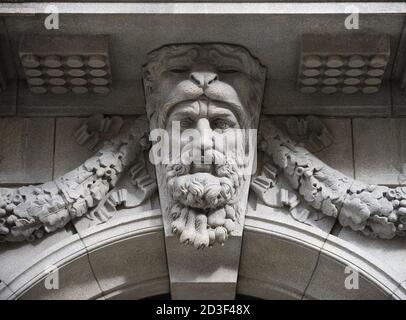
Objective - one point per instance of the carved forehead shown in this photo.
(198, 109)
(216, 54)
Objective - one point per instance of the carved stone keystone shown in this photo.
(211, 93)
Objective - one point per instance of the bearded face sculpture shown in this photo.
(207, 100)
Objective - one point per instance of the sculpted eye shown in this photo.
(222, 124)
(228, 70)
(179, 69)
(186, 123)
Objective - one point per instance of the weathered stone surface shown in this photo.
(62, 64)
(374, 210)
(125, 98)
(278, 50)
(210, 273)
(68, 153)
(26, 150)
(21, 257)
(8, 99)
(217, 93)
(76, 280)
(328, 282)
(346, 270)
(390, 253)
(26, 265)
(281, 98)
(222, 209)
(127, 255)
(29, 212)
(278, 256)
(117, 270)
(398, 99)
(276, 47)
(5, 292)
(400, 292)
(339, 154)
(379, 150)
(348, 64)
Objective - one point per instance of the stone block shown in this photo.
(390, 253)
(8, 99)
(125, 98)
(127, 255)
(150, 289)
(20, 257)
(278, 50)
(379, 150)
(129, 263)
(26, 150)
(281, 98)
(68, 153)
(338, 154)
(352, 270)
(62, 64)
(25, 266)
(75, 282)
(210, 273)
(5, 292)
(278, 255)
(276, 47)
(348, 64)
(328, 283)
(274, 268)
(400, 292)
(399, 99)
(7, 62)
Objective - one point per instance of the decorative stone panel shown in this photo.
(347, 64)
(61, 64)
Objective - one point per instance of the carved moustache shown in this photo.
(205, 190)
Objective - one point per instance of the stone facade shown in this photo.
(297, 204)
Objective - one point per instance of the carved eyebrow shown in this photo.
(173, 61)
(229, 62)
(222, 113)
(184, 112)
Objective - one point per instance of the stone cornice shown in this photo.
(202, 8)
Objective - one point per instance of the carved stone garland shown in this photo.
(377, 211)
(27, 213)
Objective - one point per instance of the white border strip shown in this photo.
(204, 8)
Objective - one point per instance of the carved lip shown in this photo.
(201, 167)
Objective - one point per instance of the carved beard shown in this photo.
(203, 209)
(204, 190)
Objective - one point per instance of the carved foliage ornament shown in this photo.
(216, 91)
(27, 213)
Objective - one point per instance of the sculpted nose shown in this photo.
(203, 79)
(206, 137)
